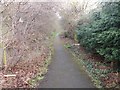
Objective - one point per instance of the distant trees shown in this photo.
(73, 13)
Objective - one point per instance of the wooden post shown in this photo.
(1, 57)
(1, 50)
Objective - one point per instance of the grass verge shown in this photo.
(34, 82)
(99, 73)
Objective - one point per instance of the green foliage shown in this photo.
(102, 34)
(53, 34)
(67, 45)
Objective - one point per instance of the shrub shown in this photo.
(102, 34)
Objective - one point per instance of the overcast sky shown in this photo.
(91, 1)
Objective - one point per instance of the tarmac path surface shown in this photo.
(63, 71)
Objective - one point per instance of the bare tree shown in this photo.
(26, 26)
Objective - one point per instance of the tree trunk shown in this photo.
(115, 65)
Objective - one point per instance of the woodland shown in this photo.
(90, 30)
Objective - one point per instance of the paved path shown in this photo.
(64, 72)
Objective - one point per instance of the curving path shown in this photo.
(64, 72)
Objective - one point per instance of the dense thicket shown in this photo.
(26, 28)
(101, 33)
